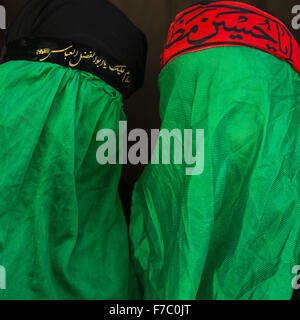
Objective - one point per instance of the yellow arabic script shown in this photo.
(75, 57)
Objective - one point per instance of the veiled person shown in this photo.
(67, 69)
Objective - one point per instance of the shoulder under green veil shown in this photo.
(63, 233)
(232, 232)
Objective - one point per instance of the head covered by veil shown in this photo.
(68, 66)
(227, 226)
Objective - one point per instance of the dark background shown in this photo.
(154, 17)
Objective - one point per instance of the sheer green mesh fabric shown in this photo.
(62, 229)
(232, 232)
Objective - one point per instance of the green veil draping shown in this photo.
(232, 232)
(63, 233)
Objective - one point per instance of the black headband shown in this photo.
(90, 35)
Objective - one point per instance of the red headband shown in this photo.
(229, 23)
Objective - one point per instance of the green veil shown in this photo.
(63, 233)
(233, 231)
(62, 224)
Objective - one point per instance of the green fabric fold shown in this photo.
(63, 233)
(232, 232)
